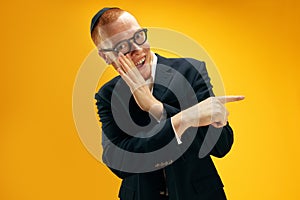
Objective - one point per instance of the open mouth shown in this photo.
(140, 63)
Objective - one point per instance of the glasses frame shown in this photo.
(128, 41)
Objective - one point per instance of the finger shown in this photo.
(220, 123)
(130, 82)
(129, 67)
(126, 60)
(126, 78)
(219, 120)
(217, 125)
(129, 61)
(228, 99)
(123, 63)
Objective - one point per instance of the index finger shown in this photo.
(228, 99)
(126, 62)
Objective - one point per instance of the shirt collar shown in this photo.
(154, 64)
(153, 71)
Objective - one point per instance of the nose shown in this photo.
(135, 47)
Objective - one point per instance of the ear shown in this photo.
(105, 57)
(116, 65)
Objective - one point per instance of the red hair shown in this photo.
(108, 17)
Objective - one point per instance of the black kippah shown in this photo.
(97, 17)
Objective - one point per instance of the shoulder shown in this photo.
(185, 66)
(177, 63)
(107, 88)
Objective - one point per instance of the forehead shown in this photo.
(123, 28)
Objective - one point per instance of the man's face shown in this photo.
(125, 28)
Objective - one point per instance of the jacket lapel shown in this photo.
(163, 77)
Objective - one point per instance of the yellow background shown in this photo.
(43, 43)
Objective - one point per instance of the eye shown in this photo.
(140, 37)
(122, 47)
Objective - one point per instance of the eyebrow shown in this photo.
(113, 43)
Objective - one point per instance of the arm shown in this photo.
(209, 114)
(164, 133)
(116, 143)
(202, 87)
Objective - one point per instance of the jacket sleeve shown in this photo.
(221, 138)
(113, 136)
(115, 139)
(164, 132)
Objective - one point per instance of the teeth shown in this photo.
(140, 62)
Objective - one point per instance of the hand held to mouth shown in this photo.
(139, 87)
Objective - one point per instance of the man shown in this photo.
(157, 115)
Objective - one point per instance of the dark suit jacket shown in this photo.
(179, 84)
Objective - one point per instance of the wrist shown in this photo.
(180, 123)
(146, 102)
(156, 109)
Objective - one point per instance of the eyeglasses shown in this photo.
(125, 46)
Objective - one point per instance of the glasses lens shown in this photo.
(140, 37)
(123, 47)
